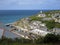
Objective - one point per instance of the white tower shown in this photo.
(40, 11)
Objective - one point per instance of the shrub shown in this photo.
(39, 40)
(51, 38)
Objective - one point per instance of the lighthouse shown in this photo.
(41, 11)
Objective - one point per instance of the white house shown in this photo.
(47, 19)
(56, 17)
(57, 20)
(41, 15)
(39, 32)
(56, 30)
(36, 25)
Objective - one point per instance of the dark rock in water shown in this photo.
(7, 25)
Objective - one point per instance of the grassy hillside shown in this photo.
(24, 23)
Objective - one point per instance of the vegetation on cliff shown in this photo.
(50, 24)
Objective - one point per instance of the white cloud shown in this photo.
(18, 4)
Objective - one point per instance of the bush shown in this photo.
(35, 18)
(51, 38)
(39, 40)
(50, 24)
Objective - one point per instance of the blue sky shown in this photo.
(29, 4)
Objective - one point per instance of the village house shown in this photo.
(57, 20)
(41, 15)
(36, 25)
(47, 19)
(39, 32)
(56, 30)
(56, 17)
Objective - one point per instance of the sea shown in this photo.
(9, 16)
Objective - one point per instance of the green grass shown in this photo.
(35, 18)
(57, 25)
(26, 44)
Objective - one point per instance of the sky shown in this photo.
(29, 4)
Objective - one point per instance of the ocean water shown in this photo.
(9, 16)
